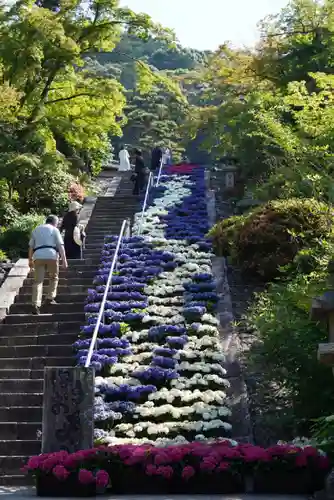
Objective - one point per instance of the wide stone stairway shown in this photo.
(28, 343)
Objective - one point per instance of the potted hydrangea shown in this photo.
(68, 475)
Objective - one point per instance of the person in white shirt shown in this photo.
(124, 160)
(44, 246)
(166, 157)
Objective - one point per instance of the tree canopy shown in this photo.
(272, 106)
(58, 106)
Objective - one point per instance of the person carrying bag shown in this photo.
(74, 233)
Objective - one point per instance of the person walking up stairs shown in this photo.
(45, 246)
(28, 342)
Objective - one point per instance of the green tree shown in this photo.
(54, 106)
(154, 119)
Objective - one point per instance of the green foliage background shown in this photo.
(272, 108)
(76, 77)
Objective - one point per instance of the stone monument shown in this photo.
(323, 310)
(68, 409)
(229, 172)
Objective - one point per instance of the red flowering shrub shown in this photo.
(182, 168)
(76, 192)
(218, 467)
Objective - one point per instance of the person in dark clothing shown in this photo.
(140, 172)
(156, 158)
(70, 226)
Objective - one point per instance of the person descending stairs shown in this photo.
(28, 342)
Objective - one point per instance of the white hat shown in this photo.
(74, 206)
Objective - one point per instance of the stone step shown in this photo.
(110, 207)
(69, 274)
(21, 414)
(21, 385)
(99, 235)
(84, 268)
(15, 480)
(123, 198)
(60, 307)
(63, 281)
(85, 261)
(51, 327)
(101, 221)
(13, 463)
(34, 351)
(19, 430)
(62, 298)
(109, 218)
(20, 447)
(80, 265)
(35, 363)
(41, 340)
(91, 252)
(14, 319)
(97, 238)
(94, 245)
(21, 398)
(114, 214)
(21, 374)
(63, 290)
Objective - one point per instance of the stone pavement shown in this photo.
(22, 493)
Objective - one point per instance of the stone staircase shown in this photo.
(28, 343)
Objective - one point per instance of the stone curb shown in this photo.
(22, 493)
(237, 396)
(12, 284)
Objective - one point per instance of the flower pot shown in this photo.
(294, 482)
(49, 486)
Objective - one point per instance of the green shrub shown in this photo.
(44, 190)
(223, 234)
(8, 213)
(271, 235)
(3, 256)
(14, 240)
(287, 353)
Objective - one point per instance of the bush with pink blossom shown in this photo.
(216, 467)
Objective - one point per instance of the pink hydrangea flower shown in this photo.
(176, 454)
(48, 464)
(102, 478)
(207, 464)
(254, 454)
(161, 458)
(85, 476)
(223, 466)
(188, 472)
(70, 462)
(166, 472)
(301, 461)
(33, 463)
(151, 470)
(60, 472)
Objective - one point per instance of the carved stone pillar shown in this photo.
(68, 406)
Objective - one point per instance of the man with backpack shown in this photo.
(45, 246)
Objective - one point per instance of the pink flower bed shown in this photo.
(220, 467)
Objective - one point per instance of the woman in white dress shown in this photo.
(124, 160)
